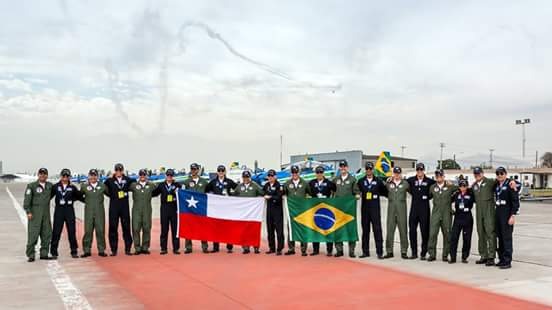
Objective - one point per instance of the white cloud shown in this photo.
(16, 84)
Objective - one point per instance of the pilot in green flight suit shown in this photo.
(296, 187)
(441, 214)
(396, 213)
(37, 206)
(94, 214)
(195, 183)
(248, 188)
(142, 192)
(346, 185)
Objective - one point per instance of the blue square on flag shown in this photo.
(192, 202)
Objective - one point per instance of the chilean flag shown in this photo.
(234, 220)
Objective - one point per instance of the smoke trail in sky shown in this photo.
(113, 79)
(163, 87)
(216, 36)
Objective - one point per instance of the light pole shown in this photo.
(522, 122)
(402, 150)
(442, 145)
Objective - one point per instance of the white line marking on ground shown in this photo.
(70, 295)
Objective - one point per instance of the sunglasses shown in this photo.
(319, 172)
(118, 169)
(420, 169)
(220, 170)
(65, 175)
(500, 173)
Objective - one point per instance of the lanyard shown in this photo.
(461, 196)
(63, 191)
(119, 185)
(368, 184)
(499, 189)
(169, 188)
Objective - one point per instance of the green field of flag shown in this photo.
(323, 219)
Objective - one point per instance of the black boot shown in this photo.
(481, 261)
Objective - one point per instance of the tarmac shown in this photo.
(236, 281)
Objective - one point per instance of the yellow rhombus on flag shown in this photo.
(309, 217)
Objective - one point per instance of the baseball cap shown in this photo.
(65, 172)
(92, 172)
(221, 168)
(295, 169)
(119, 167)
(319, 169)
(246, 174)
(271, 173)
(477, 170)
(194, 166)
(369, 165)
(397, 170)
(439, 172)
(169, 172)
(420, 166)
(501, 170)
(42, 171)
(343, 163)
(142, 172)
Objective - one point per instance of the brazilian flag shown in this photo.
(383, 165)
(323, 219)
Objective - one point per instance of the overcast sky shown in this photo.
(166, 83)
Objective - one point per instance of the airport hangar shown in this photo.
(355, 158)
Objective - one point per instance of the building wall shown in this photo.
(354, 158)
(543, 180)
(406, 164)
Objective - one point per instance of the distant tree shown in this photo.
(449, 164)
(546, 160)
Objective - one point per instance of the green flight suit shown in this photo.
(485, 217)
(346, 187)
(441, 217)
(141, 214)
(94, 216)
(199, 187)
(396, 215)
(37, 202)
(251, 190)
(301, 190)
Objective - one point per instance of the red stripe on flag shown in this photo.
(196, 227)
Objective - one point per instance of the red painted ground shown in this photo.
(230, 281)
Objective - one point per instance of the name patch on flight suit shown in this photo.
(39, 190)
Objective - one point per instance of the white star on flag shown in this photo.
(192, 203)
